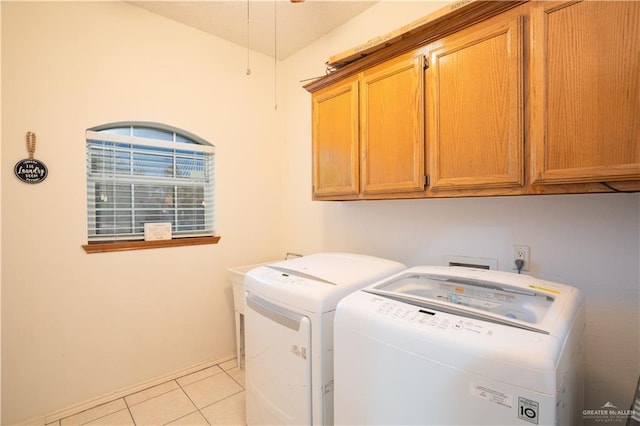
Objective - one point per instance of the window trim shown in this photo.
(151, 125)
(140, 141)
(104, 246)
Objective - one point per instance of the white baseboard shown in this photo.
(120, 393)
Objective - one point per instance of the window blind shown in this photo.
(133, 180)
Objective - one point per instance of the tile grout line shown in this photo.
(54, 418)
(88, 409)
(169, 381)
(129, 410)
(179, 387)
(150, 398)
(193, 402)
(128, 406)
(201, 379)
(220, 400)
(232, 378)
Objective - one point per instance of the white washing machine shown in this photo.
(289, 313)
(459, 346)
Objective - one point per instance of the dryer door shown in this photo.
(278, 364)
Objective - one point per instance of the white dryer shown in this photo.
(289, 313)
(459, 346)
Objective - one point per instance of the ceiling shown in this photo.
(297, 24)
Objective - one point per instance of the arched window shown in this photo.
(141, 173)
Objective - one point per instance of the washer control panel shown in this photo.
(429, 318)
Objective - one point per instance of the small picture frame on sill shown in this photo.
(157, 231)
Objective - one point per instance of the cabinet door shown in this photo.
(335, 140)
(475, 107)
(392, 126)
(586, 91)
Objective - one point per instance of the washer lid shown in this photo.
(498, 297)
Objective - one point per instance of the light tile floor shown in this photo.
(213, 396)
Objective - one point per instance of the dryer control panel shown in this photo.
(277, 276)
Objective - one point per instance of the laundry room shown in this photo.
(81, 329)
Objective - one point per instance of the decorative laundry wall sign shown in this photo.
(31, 170)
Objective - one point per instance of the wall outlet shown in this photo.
(521, 252)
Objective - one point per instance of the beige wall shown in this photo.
(75, 326)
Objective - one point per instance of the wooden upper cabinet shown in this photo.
(392, 126)
(585, 95)
(474, 79)
(537, 97)
(335, 140)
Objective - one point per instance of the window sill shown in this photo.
(141, 245)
